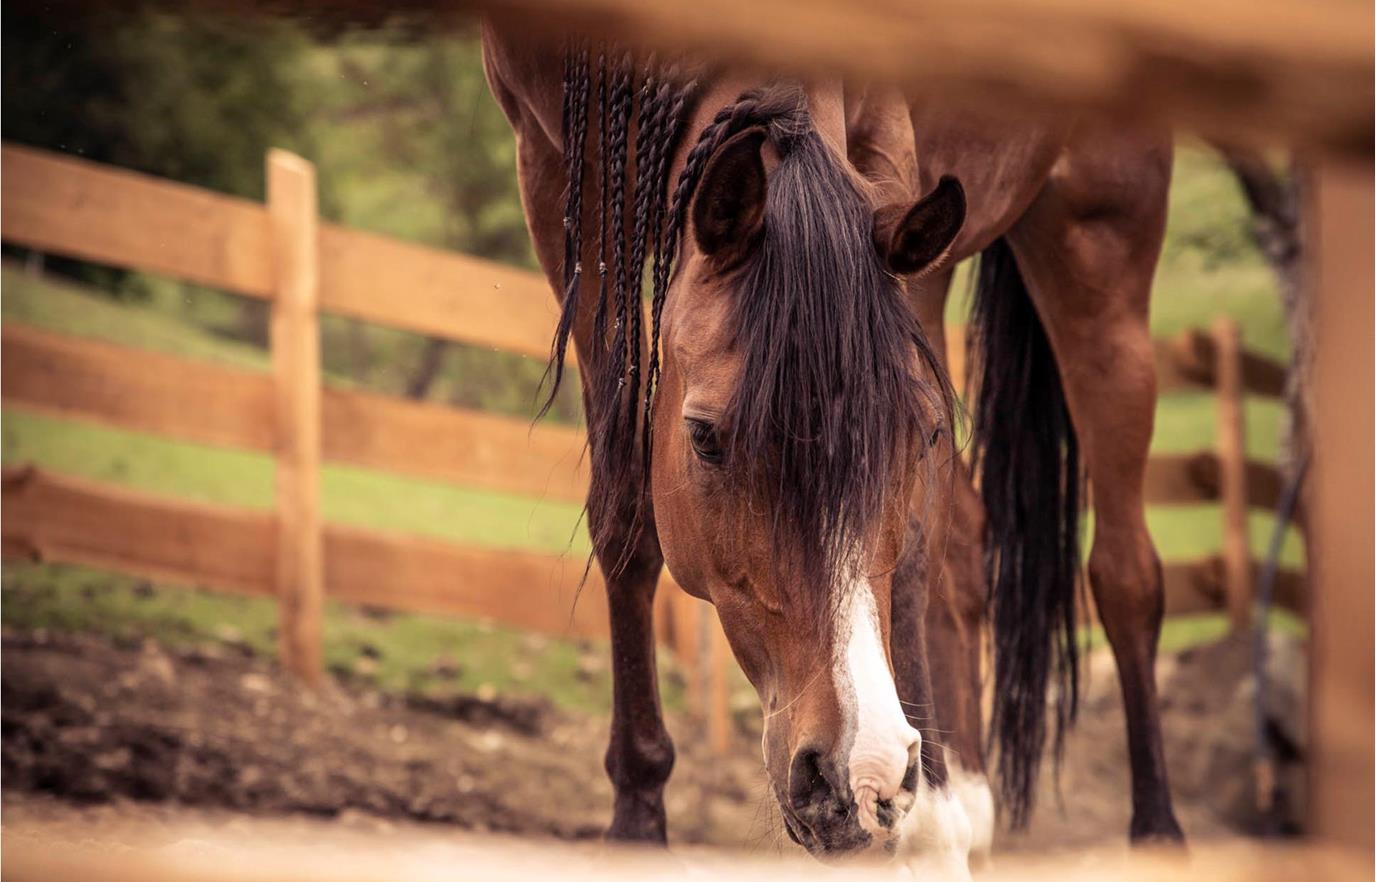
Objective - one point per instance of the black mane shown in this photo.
(831, 390)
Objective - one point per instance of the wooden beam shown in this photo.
(76, 208)
(719, 693)
(1193, 587)
(1265, 71)
(1253, 70)
(54, 518)
(467, 447)
(295, 335)
(206, 403)
(686, 616)
(517, 589)
(1186, 478)
(135, 389)
(434, 292)
(1182, 478)
(1186, 363)
(51, 517)
(261, 849)
(1198, 586)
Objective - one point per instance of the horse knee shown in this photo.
(1125, 575)
(640, 760)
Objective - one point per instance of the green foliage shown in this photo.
(194, 98)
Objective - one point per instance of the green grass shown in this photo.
(429, 655)
(53, 305)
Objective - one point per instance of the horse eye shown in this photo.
(703, 436)
(931, 442)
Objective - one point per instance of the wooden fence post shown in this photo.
(295, 338)
(684, 613)
(1231, 441)
(1341, 677)
(718, 709)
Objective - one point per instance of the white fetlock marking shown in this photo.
(936, 836)
(972, 789)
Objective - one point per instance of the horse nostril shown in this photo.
(807, 786)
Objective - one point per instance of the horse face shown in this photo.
(811, 630)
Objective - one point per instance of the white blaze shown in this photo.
(884, 742)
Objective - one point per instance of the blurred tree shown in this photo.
(430, 99)
(197, 99)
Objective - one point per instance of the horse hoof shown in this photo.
(1161, 831)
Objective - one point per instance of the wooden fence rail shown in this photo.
(282, 253)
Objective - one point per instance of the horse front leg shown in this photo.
(640, 755)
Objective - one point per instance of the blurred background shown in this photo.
(132, 697)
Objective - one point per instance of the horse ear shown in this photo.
(728, 210)
(916, 239)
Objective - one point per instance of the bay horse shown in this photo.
(779, 431)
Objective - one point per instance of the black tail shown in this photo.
(1025, 453)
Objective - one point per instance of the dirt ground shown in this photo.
(100, 737)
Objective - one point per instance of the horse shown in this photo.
(779, 431)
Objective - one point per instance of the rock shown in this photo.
(256, 683)
(154, 664)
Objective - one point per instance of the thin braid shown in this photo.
(647, 142)
(615, 160)
(611, 422)
(575, 123)
(599, 319)
(673, 114)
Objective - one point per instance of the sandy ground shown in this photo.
(102, 744)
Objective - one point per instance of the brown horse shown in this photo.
(779, 432)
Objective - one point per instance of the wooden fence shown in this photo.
(281, 252)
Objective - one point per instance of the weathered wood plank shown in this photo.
(135, 389)
(1182, 478)
(190, 400)
(56, 518)
(1198, 586)
(437, 293)
(517, 589)
(109, 215)
(1185, 478)
(461, 446)
(82, 209)
(1186, 362)
(1342, 516)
